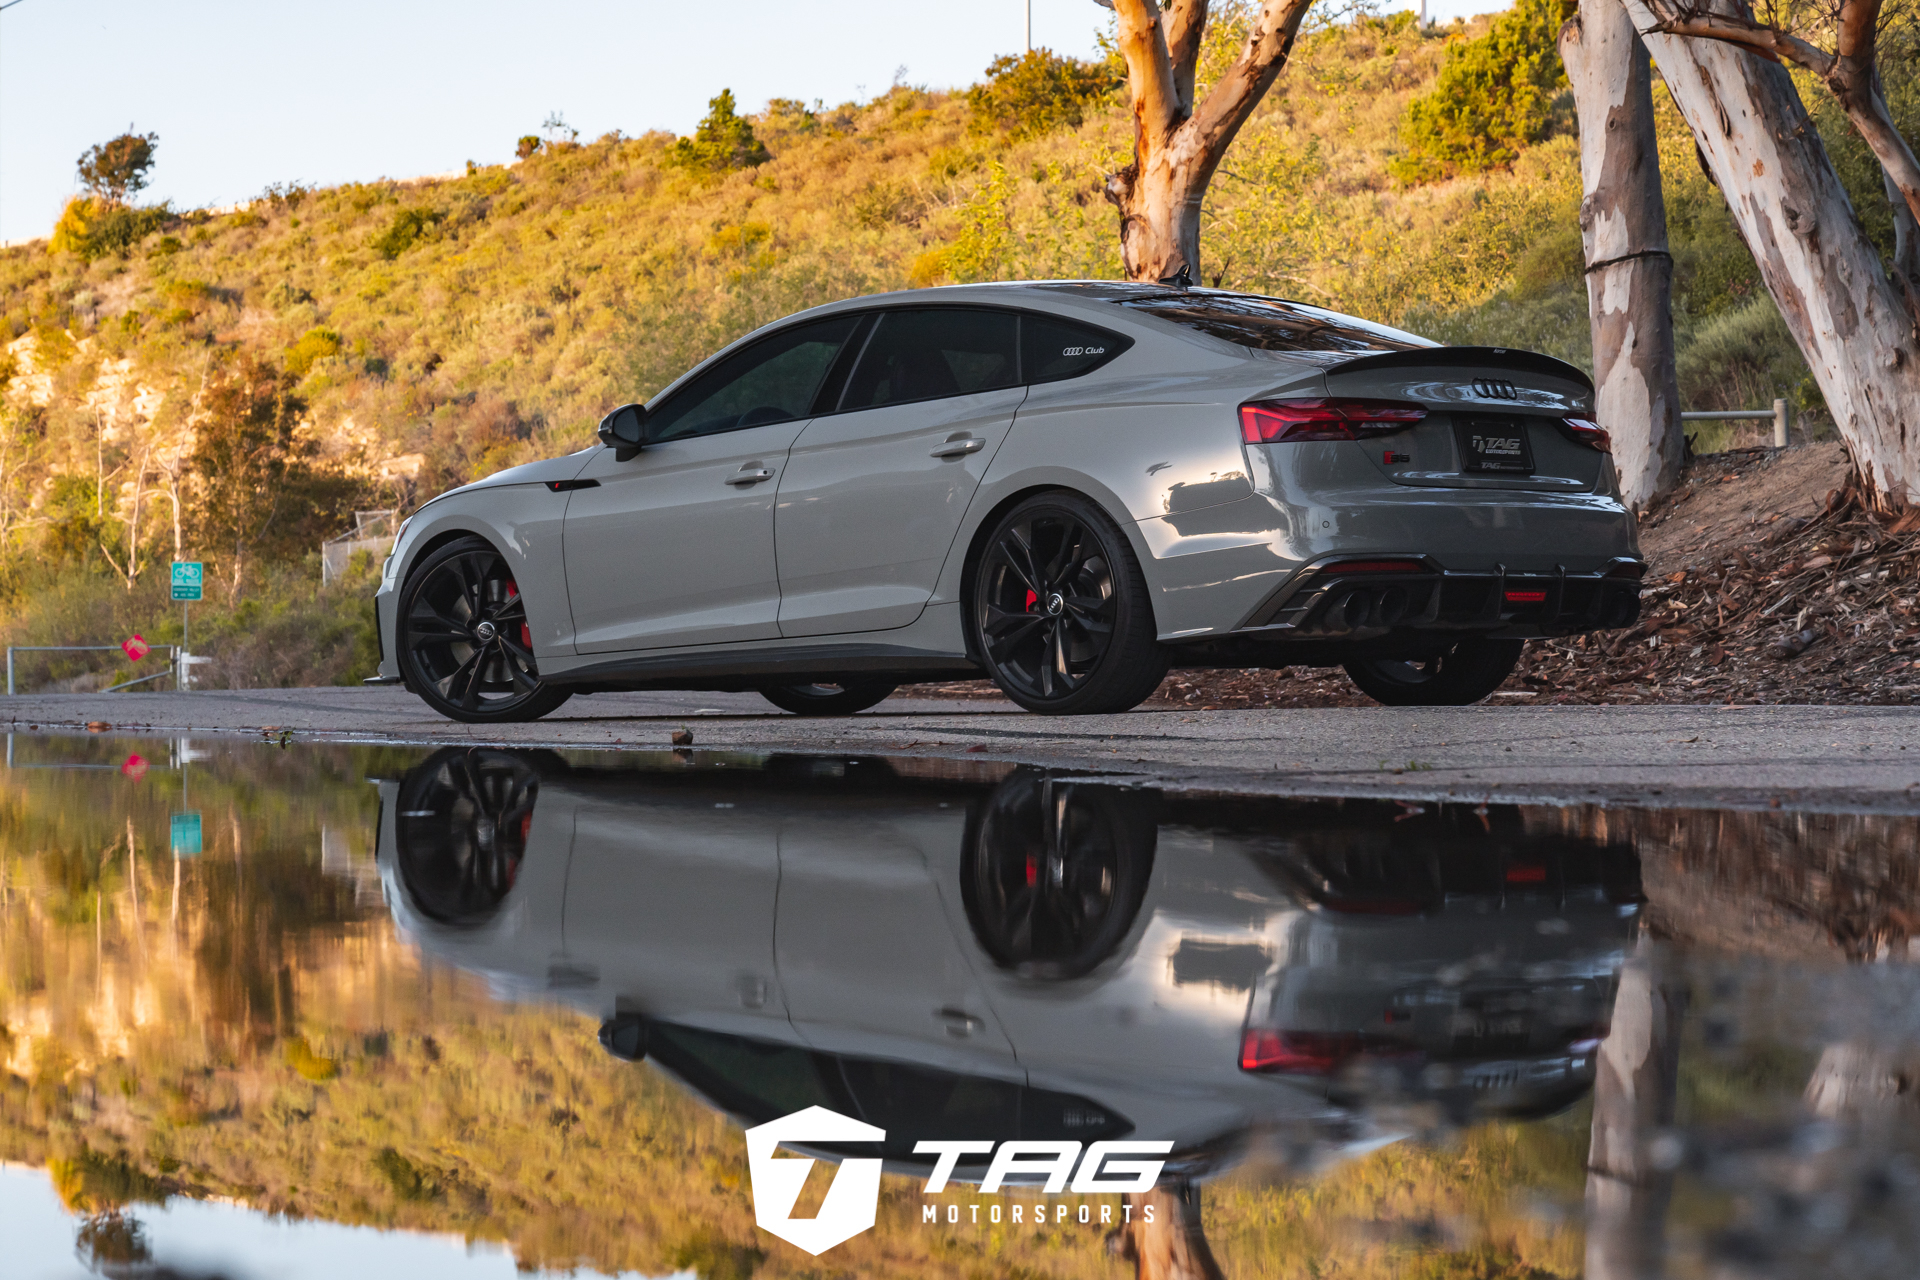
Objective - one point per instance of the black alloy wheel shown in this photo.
(841, 698)
(1464, 674)
(465, 646)
(461, 832)
(1053, 874)
(1059, 610)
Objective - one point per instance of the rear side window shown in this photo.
(773, 380)
(1052, 349)
(924, 355)
(1269, 324)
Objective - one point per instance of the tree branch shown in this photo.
(1239, 91)
(1186, 22)
(1156, 99)
(1757, 38)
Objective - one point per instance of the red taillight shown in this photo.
(1526, 597)
(1275, 421)
(1586, 431)
(1523, 873)
(1312, 1053)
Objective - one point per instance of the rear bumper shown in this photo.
(1328, 601)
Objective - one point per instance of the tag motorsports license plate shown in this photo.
(1497, 446)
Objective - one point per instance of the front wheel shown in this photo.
(1059, 611)
(1464, 674)
(464, 641)
(840, 699)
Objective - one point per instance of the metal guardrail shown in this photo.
(1778, 413)
(173, 668)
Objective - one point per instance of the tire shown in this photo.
(463, 638)
(1058, 610)
(1053, 874)
(1464, 674)
(461, 832)
(842, 698)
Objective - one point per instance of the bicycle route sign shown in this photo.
(187, 579)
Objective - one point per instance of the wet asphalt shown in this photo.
(1823, 758)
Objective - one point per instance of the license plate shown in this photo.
(1496, 446)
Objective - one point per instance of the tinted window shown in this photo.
(924, 355)
(1268, 324)
(1052, 349)
(774, 380)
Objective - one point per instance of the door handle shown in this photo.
(960, 447)
(959, 1023)
(750, 474)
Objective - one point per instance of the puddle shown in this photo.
(336, 1009)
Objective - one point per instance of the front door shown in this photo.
(675, 545)
(873, 495)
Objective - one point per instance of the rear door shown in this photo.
(675, 545)
(872, 495)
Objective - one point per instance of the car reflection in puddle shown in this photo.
(1028, 956)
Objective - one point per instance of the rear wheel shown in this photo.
(839, 699)
(1059, 610)
(1464, 674)
(465, 646)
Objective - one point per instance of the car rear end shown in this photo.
(1422, 490)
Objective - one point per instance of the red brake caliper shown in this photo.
(526, 635)
(1032, 600)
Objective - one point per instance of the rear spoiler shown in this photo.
(1501, 357)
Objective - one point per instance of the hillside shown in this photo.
(320, 351)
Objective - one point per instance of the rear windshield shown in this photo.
(1269, 324)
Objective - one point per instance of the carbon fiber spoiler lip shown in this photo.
(1512, 358)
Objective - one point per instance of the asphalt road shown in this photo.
(1827, 758)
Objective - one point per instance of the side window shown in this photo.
(772, 381)
(924, 355)
(1052, 349)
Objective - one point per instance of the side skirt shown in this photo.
(738, 672)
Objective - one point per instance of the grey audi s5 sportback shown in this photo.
(1068, 487)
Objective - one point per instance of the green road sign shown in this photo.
(187, 579)
(184, 835)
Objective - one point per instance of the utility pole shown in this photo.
(1030, 24)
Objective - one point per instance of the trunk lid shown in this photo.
(1493, 418)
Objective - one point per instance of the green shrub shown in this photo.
(723, 141)
(1495, 95)
(94, 228)
(314, 345)
(408, 228)
(1033, 95)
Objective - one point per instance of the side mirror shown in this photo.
(624, 430)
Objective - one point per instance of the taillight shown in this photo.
(1277, 421)
(1312, 1053)
(1588, 432)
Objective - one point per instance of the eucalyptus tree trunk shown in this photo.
(1850, 320)
(1623, 227)
(1637, 1077)
(1177, 144)
(1173, 1246)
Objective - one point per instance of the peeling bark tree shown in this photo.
(1623, 226)
(1174, 1245)
(1854, 324)
(1636, 1080)
(1176, 146)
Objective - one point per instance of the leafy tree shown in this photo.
(116, 169)
(723, 141)
(93, 226)
(1495, 95)
(529, 143)
(245, 455)
(1030, 96)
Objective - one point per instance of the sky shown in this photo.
(244, 94)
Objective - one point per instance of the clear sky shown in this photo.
(247, 93)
